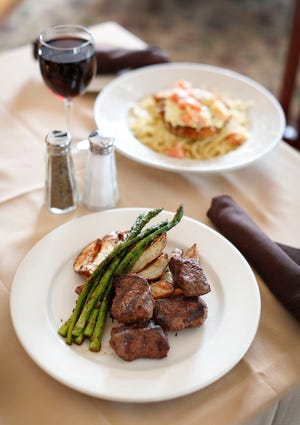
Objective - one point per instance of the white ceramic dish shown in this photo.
(43, 296)
(113, 103)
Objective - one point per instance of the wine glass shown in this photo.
(67, 61)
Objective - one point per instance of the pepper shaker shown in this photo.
(61, 191)
(100, 184)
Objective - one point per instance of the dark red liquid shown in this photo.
(65, 73)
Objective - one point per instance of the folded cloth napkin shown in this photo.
(277, 264)
(111, 61)
(114, 60)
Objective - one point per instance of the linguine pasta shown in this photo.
(148, 126)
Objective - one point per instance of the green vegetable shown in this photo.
(95, 342)
(90, 312)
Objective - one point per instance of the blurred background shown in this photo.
(247, 36)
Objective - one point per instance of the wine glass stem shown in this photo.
(68, 106)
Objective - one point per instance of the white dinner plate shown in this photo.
(42, 297)
(113, 103)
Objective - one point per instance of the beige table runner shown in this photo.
(268, 190)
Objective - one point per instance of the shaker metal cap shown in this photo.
(59, 140)
(101, 144)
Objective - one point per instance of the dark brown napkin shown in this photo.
(277, 264)
(112, 61)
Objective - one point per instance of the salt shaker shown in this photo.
(100, 184)
(61, 191)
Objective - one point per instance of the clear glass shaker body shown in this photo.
(61, 191)
(100, 184)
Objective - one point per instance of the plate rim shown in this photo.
(138, 398)
(193, 167)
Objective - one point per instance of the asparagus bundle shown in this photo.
(92, 306)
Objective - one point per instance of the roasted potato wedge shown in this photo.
(116, 237)
(192, 252)
(151, 253)
(167, 275)
(91, 256)
(177, 252)
(155, 269)
(95, 252)
(162, 289)
(87, 255)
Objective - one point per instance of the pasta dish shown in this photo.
(187, 122)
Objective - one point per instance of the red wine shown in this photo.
(67, 72)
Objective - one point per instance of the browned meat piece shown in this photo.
(189, 276)
(134, 342)
(133, 302)
(178, 312)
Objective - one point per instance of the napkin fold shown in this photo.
(114, 60)
(277, 264)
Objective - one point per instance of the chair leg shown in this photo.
(292, 135)
(297, 142)
(291, 64)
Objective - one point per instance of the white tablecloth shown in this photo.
(263, 388)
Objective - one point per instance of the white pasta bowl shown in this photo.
(114, 102)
